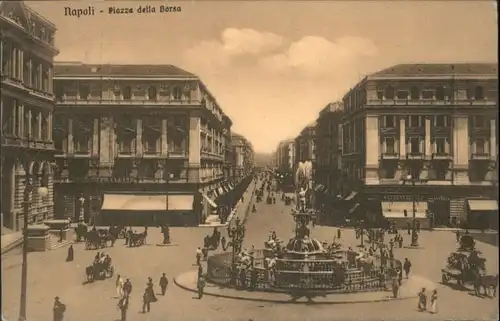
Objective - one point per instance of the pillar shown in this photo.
(493, 140)
(427, 145)
(39, 116)
(49, 125)
(20, 64)
(40, 77)
(402, 138)
(164, 142)
(19, 111)
(30, 71)
(71, 146)
(30, 120)
(460, 149)
(14, 62)
(49, 81)
(194, 148)
(95, 137)
(138, 138)
(372, 150)
(106, 140)
(22, 126)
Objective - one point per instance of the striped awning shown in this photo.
(319, 188)
(209, 201)
(351, 196)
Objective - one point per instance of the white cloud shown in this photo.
(214, 54)
(317, 56)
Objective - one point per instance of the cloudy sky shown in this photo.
(273, 65)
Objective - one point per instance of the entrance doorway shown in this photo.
(441, 211)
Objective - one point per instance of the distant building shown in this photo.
(424, 137)
(328, 147)
(138, 144)
(285, 155)
(305, 147)
(243, 161)
(27, 51)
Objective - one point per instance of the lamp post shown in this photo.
(414, 234)
(43, 192)
(82, 209)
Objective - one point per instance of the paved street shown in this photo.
(50, 275)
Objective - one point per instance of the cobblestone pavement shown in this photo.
(50, 275)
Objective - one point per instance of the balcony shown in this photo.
(441, 156)
(390, 155)
(151, 153)
(389, 130)
(97, 102)
(427, 102)
(125, 153)
(415, 155)
(480, 155)
(177, 153)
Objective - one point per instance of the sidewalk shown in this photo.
(11, 240)
(409, 289)
(241, 210)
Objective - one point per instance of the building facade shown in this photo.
(137, 144)
(328, 149)
(285, 155)
(243, 158)
(423, 139)
(305, 144)
(27, 51)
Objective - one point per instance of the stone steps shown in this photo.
(55, 244)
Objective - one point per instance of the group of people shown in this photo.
(422, 301)
(124, 290)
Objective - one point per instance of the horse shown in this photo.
(137, 239)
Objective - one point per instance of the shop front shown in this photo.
(482, 214)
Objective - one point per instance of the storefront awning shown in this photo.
(231, 186)
(220, 191)
(180, 202)
(483, 205)
(396, 209)
(209, 201)
(351, 196)
(319, 188)
(226, 188)
(132, 202)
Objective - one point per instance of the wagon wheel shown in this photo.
(444, 278)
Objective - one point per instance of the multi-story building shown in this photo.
(285, 155)
(423, 138)
(305, 144)
(27, 103)
(328, 149)
(243, 161)
(137, 144)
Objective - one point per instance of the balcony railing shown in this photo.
(390, 155)
(96, 101)
(480, 155)
(464, 102)
(415, 155)
(441, 156)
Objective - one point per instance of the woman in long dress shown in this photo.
(119, 286)
(434, 298)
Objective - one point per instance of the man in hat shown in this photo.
(58, 309)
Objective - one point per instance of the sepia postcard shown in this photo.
(249, 160)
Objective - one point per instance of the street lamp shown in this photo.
(82, 209)
(42, 192)
(414, 234)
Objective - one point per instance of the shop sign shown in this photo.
(403, 198)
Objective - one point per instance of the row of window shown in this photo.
(390, 121)
(176, 93)
(438, 93)
(440, 145)
(34, 124)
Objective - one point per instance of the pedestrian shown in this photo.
(164, 283)
(408, 228)
(434, 298)
(422, 300)
(400, 241)
(58, 309)
(71, 254)
(339, 233)
(407, 267)
(391, 244)
(123, 306)
(200, 271)
(146, 301)
(395, 287)
(457, 233)
(151, 291)
(198, 256)
(204, 251)
(119, 286)
(127, 288)
(201, 287)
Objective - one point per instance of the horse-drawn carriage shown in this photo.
(137, 239)
(99, 270)
(98, 239)
(467, 243)
(464, 268)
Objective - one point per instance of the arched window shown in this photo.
(414, 93)
(152, 93)
(127, 93)
(389, 92)
(479, 93)
(440, 93)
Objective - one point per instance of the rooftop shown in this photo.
(439, 69)
(81, 69)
